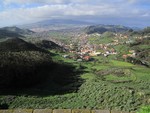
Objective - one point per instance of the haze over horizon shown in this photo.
(121, 12)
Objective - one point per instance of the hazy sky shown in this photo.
(124, 12)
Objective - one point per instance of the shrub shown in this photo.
(22, 69)
(145, 109)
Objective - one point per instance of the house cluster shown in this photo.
(121, 36)
(85, 52)
(132, 53)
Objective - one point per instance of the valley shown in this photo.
(85, 67)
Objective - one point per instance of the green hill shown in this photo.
(13, 32)
(48, 45)
(16, 45)
(7, 34)
(146, 31)
(103, 28)
(143, 32)
(24, 65)
(142, 49)
(18, 30)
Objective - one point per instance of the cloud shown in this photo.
(7, 2)
(59, 10)
(139, 1)
(78, 9)
(25, 15)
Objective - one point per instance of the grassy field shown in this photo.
(105, 84)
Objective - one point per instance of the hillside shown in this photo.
(24, 65)
(7, 34)
(18, 30)
(13, 32)
(48, 45)
(16, 45)
(92, 74)
(146, 31)
(20, 62)
(142, 50)
(103, 28)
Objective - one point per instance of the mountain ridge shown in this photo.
(14, 32)
(17, 45)
(103, 28)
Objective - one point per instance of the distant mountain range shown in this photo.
(55, 24)
(104, 28)
(63, 24)
(59, 24)
(46, 23)
(63, 21)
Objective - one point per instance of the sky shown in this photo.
(134, 13)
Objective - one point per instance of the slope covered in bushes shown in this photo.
(16, 45)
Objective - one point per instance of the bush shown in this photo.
(23, 69)
(145, 109)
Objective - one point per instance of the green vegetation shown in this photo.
(17, 45)
(146, 31)
(38, 76)
(7, 34)
(17, 30)
(104, 28)
(143, 52)
(145, 109)
(106, 37)
(14, 32)
(23, 69)
(48, 45)
(125, 88)
(65, 38)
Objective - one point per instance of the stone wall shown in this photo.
(59, 111)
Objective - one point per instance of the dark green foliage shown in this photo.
(48, 45)
(14, 32)
(142, 52)
(145, 41)
(23, 69)
(17, 30)
(134, 60)
(6, 101)
(146, 30)
(93, 29)
(16, 45)
(135, 33)
(130, 30)
(7, 34)
(107, 35)
(29, 68)
(108, 96)
(22, 64)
